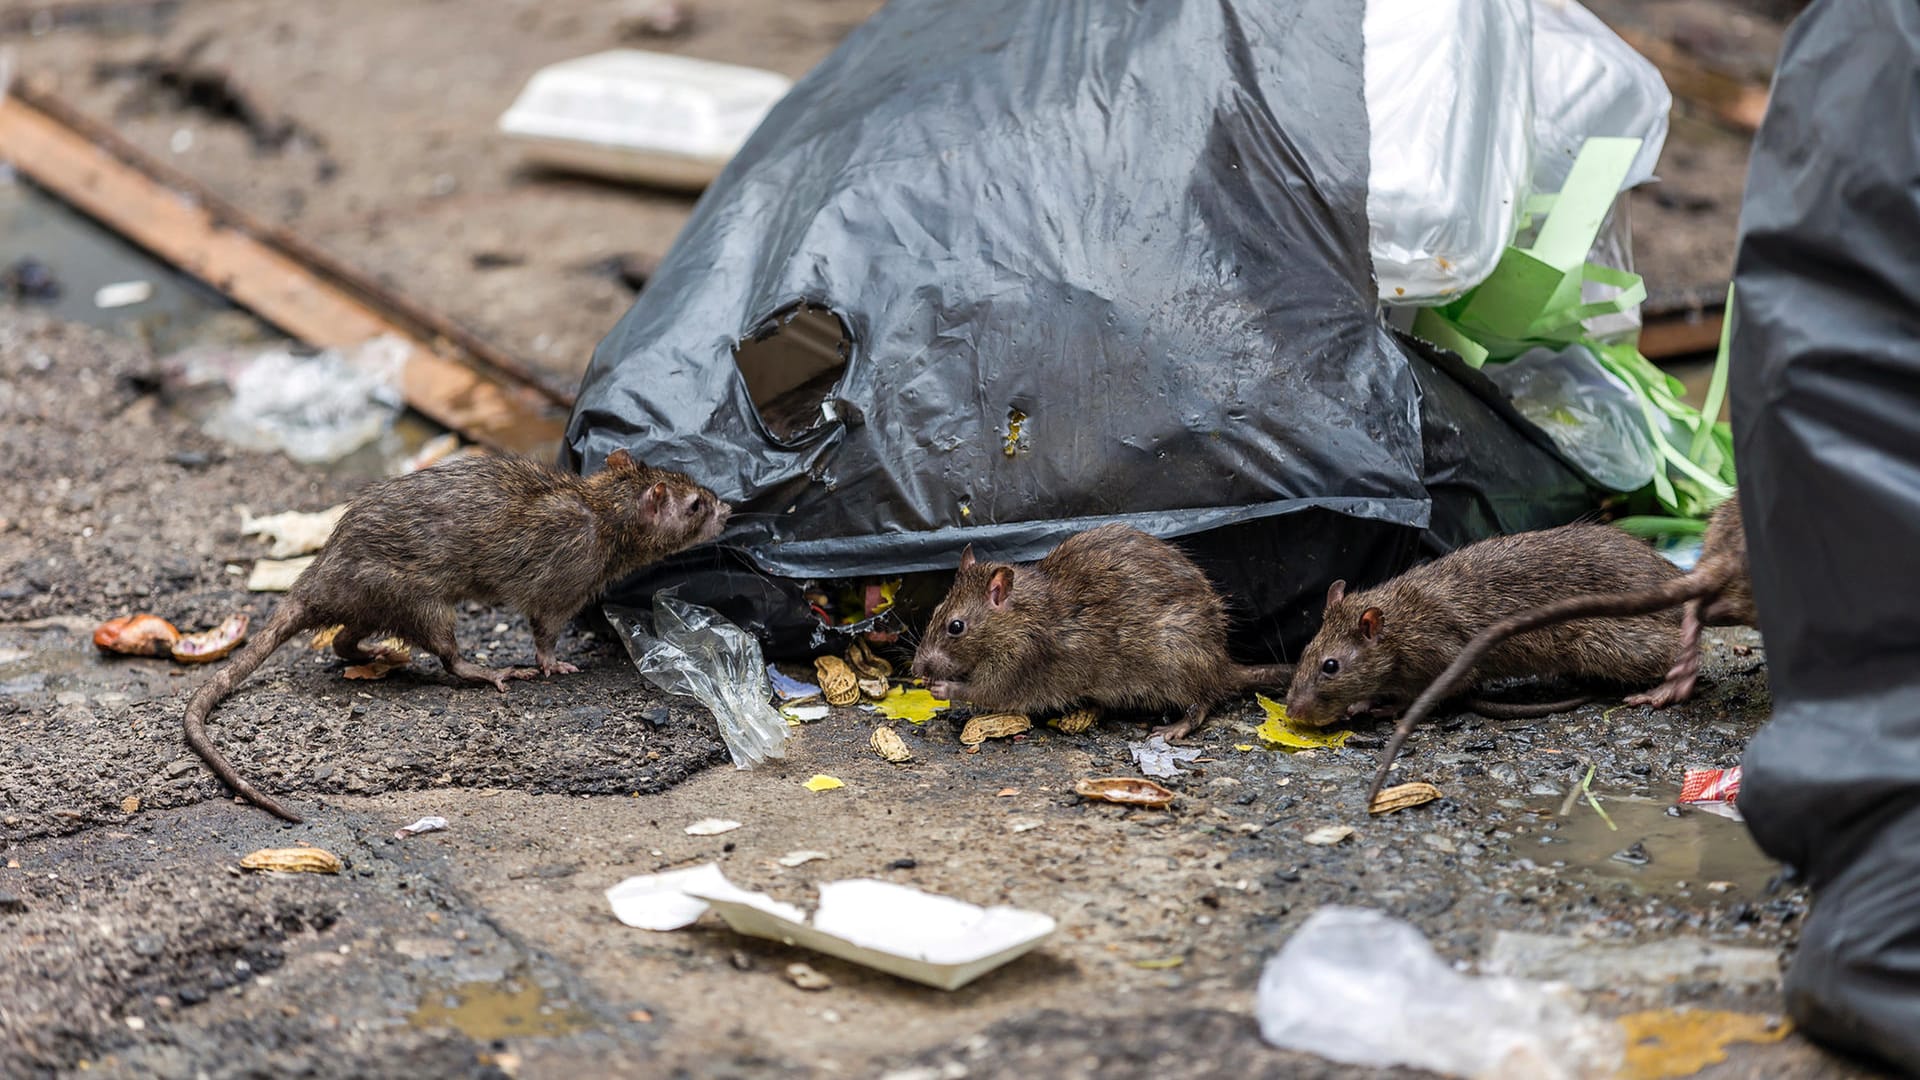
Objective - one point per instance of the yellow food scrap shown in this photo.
(1282, 732)
(822, 782)
(913, 706)
(1665, 1043)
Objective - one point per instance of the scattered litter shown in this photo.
(136, 635)
(822, 782)
(1006, 793)
(277, 575)
(424, 825)
(642, 116)
(806, 714)
(1280, 731)
(1074, 723)
(874, 689)
(1710, 785)
(130, 804)
(210, 645)
(711, 827)
(1362, 988)
(1126, 790)
(389, 654)
(913, 706)
(1163, 964)
(318, 408)
(865, 662)
(1244, 747)
(806, 978)
(122, 294)
(700, 654)
(1598, 965)
(800, 858)
(1402, 796)
(925, 937)
(441, 448)
(788, 688)
(1328, 835)
(888, 744)
(838, 684)
(1024, 826)
(1586, 790)
(301, 860)
(655, 19)
(661, 901)
(993, 726)
(292, 532)
(1666, 1043)
(1156, 758)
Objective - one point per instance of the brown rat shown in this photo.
(494, 530)
(1718, 592)
(1112, 618)
(1376, 649)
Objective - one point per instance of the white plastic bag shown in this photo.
(1363, 988)
(1587, 83)
(1449, 86)
(1594, 418)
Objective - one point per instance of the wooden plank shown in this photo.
(183, 231)
(1733, 102)
(1681, 334)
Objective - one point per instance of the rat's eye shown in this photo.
(957, 627)
(1331, 667)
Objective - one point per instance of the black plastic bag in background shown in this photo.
(1826, 412)
(1009, 270)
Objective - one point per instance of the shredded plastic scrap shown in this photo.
(688, 649)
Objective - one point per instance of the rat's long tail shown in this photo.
(1268, 676)
(289, 618)
(1710, 577)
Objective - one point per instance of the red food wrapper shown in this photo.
(1710, 785)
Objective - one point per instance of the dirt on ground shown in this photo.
(132, 945)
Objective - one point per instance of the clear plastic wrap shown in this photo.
(688, 649)
(1590, 414)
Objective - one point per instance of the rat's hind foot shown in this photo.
(1679, 683)
(1184, 726)
(557, 667)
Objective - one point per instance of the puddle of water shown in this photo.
(500, 1010)
(1683, 854)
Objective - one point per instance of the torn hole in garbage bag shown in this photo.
(792, 364)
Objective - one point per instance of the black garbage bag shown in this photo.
(1826, 411)
(994, 273)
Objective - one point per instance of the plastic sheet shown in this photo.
(1363, 988)
(1450, 111)
(316, 408)
(687, 649)
(1825, 380)
(1592, 416)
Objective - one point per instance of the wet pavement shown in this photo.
(132, 945)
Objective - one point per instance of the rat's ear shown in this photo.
(620, 459)
(1370, 624)
(1335, 592)
(966, 557)
(1000, 587)
(652, 500)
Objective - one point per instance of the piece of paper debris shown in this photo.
(1328, 835)
(1279, 730)
(277, 575)
(805, 714)
(913, 706)
(1006, 793)
(1156, 758)
(711, 827)
(822, 782)
(660, 901)
(800, 858)
(1024, 826)
(1666, 1043)
(425, 824)
(292, 532)
(788, 688)
(806, 978)
(122, 294)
